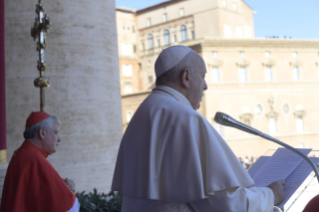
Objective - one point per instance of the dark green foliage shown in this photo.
(95, 202)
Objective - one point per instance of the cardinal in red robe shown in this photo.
(31, 183)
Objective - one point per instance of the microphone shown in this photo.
(226, 120)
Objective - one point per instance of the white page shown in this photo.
(278, 167)
(296, 178)
(257, 165)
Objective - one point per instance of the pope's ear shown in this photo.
(186, 77)
(42, 133)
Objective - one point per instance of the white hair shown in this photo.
(46, 124)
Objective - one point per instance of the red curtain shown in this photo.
(3, 143)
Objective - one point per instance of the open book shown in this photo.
(283, 165)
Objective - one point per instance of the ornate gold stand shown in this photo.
(38, 32)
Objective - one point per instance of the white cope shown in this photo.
(172, 159)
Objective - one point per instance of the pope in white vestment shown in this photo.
(172, 159)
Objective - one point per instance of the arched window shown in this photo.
(150, 42)
(167, 40)
(183, 33)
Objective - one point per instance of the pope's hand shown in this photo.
(277, 188)
(70, 183)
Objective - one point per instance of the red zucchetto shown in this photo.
(36, 117)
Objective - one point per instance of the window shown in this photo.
(183, 33)
(149, 22)
(215, 74)
(134, 47)
(181, 12)
(241, 54)
(167, 40)
(224, 4)
(235, 7)
(299, 124)
(272, 125)
(299, 107)
(301, 145)
(149, 63)
(143, 47)
(127, 70)
(164, 17)
(295, 54)
(296, 73)
(227, 31)
(128, 116)
(214, 53)
(269, 74)
(259, 109)
(239, 32)
(267, 54)
(128, 88)
(242, 74)
(150, 79)
(158, 43)
(193, 34)
(126, 49)
(150, 42)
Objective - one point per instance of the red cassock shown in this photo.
(33, 185)
(313, 205)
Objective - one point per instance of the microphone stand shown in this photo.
(226, 120)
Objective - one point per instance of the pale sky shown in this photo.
(296, 18)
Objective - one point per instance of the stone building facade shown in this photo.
(269, 84)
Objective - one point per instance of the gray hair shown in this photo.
(171, 75)
(46, 124)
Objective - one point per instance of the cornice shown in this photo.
(136, 94)
(259, 42)
(156, 6)
(165, 24)
(295, 62)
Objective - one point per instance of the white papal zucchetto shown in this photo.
(169, 58)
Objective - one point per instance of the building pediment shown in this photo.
(272, 114)
(296, 62)
(269, 62)
(243, 62)
(248, 116)
(300, 113)
(215, 63)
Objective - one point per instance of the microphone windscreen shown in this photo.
(221, 118)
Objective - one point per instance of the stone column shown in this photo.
(3, 142)
(82, 61)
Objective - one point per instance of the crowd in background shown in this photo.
(246, 162)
